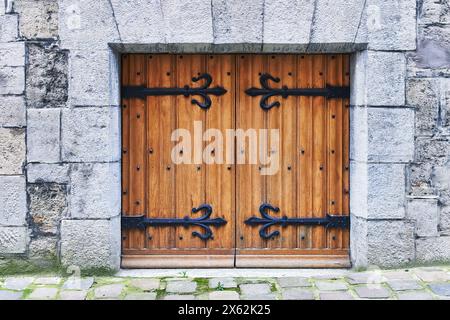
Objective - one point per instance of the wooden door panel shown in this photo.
(312, 179)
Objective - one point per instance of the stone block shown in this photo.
(297, 294)
(390, 243)
(238, 21)
(423, 95)
(12, 54)
(47, 205)
(254, 289)
(367, 292)
(402, 285)
(433, 250)
(13, 201)
(358, 244)
(391, 25)
(379, 78)
(12, 111)
(77, 283)
(425, 212)
(181, 286)
(336, 296)
(43, 135)
(12, 80)
(141, 296)
(6, 295)
(215, 283)
(13, 240)
(89, 82)
(43, 294)
(18, 283)
(441, 289)
(331, 285)
(38, 19)
(414, 295)
(433, 12)
(12, 151)
(91, 243)
(432, 50)
(43, 172)
(90, 134)
(9, 30)
(109, 291)
(433, 151)
(381, 190)
(287, 25)
(86, 24)
(145, 284)
(287, 282)
(223, 295)
(47, 76)
(43, 248)
(382, 134)
(73, 295)
(95, 190)
(140, 21)
(335, 24)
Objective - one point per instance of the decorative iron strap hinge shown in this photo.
(141, 222)
(266, 92)
(330, 221)
(204, 91)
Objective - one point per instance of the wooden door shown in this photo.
(312, 145)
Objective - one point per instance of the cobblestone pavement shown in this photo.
(418, 283)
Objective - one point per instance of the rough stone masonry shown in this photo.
(59, 114)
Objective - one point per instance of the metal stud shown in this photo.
(138, 116)
(137, 202)
(321, 167)
(289, 168)
(150, 150)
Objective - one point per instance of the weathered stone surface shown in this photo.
(415, 295)
(375, 277)
(426, 214)
(432, 274)
(43, 249)
(73, 295)
(390, 243)
(146, 27)
(145, 284)
(403, 285)
(91, 243)
(423, 95)
(181, 286)
(47, 205)
(10, 295)
(12, 150)
(238, 22)
(223, 295)
(381, 190)
(381, 77)
(391, 25)
(108, 291)
(336, 296)
(8, 27)
(47, 76)
(441, 289)
(76, 283)
(43, 294)
(141, 296)
(13, 239)
(331, 285)
(13, 200)
(12, 111)
(335, 22)
(372, 292)
(179, 297)
(12, 54)
(222, 282)
(358, 245)
(17, 283)
(432, 11)
(287, 22)
(12, 80)
(38, 19)
(95, 190)
(86, 24)
(265, 296)
(297, 294)
(254, 289)
(43, 135)
(287, 282)
(43, 172)
(382, 134)
(90, 134)
(47, 281)
(434, 249)
(432, 50)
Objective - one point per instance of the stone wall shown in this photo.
(59, 114)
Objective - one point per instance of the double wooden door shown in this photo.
(279, 200)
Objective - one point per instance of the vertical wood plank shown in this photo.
(250, 191)
(281, 187)
(125, 150)
(137, 150)
(219, 184)
(346, 151)
(161, 123)
(190, 178)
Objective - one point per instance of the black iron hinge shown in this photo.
(204, 222)
(266, 92)
(330, 221)
(204, 91)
